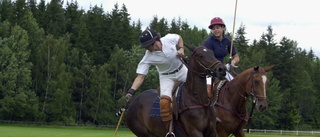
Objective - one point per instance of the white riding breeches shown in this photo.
(167, 81)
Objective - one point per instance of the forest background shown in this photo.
(69, 66)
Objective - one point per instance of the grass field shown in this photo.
(45, 131)
(49, 131)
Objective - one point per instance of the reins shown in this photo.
(252, 89)
(195, 106)
(214, 65)
(250, 116)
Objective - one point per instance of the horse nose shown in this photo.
(222, 71)
(262, 107)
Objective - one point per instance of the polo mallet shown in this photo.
(234, 22)
(120, 112)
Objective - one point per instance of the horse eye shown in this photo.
(256, 81)
(199, 56)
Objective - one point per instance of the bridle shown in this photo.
(210, 69)
(251, 93)
(255, 98)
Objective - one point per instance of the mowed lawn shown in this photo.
(50, 131)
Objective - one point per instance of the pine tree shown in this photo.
(17, 101)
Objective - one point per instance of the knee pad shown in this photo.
(165, 108)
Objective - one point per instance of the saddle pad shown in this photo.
(155, 110)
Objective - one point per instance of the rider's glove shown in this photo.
(129, 94)
(229, 67)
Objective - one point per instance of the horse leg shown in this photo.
(221, 131)
(240, 133)
(209, 90)
(137, 113)
(138, 128)
(222, 134)
(134, 123)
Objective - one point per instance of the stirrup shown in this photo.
(170, 134)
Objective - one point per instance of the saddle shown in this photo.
(175, 99)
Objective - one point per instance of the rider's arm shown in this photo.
(235, 60)
(138, 81)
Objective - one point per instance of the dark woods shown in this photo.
(63, 65)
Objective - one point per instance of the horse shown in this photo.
(194, 116)
(232, 98)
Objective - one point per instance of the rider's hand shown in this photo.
(229, 67)
(235, 67)
(233, 63)
(129, 94)
(180, 52)
(128, 97)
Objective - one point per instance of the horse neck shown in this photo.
(196, 87)
(237, 92)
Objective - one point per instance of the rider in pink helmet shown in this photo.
(216, 21)
(221, 46)
(219, 43)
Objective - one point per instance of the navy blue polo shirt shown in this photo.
(220, 48)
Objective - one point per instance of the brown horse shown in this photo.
(232, 97)
(194, 115)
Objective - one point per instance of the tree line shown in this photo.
(71, 66)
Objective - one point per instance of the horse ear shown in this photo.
(256, 68)
(268, 68)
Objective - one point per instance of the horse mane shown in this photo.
(245, 72)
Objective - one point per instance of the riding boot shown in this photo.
(165, 108)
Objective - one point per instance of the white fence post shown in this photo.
(290, 132)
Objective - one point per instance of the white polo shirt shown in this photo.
(166, 60)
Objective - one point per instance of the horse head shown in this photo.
(256, 86)
(204, 63)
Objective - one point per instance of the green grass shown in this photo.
(45, 131)
(51, 131)
(278, 135)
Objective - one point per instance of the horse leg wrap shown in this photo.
(209, 90)
(165, 108)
